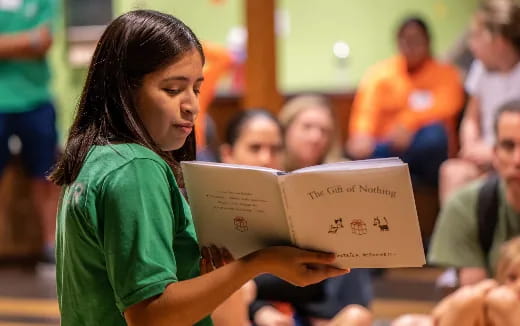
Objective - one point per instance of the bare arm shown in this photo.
(471, 275)
(31, 44)
(186, 302)
(470, 128)
(464, 307)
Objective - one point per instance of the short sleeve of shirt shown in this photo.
(473, 80)
(137, 231)
(455, 238)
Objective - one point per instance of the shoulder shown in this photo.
(465, 197)
(112, 157)
(383, 69)
(125, 165)
(446, 69)
(460, 208)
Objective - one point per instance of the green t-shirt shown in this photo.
(24, 83)
(455, 241)
(124, 233)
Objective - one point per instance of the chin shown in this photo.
(171, 147)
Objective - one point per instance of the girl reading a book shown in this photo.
(127, 253)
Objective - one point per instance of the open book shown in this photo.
(363, 211)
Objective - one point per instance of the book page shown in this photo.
(353, 165)
(236, 207)
(366, 216)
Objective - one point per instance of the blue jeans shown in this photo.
(427, 151)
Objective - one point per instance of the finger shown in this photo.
(216, 257)
(314, 257)
(332, 271)
(324, 272)
(226, 255)
(205, 253)
(205, 266)
(485, 286)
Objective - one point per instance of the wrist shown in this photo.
(254, 265)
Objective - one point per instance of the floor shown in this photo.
(27, 295)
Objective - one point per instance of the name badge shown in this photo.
(420, 100)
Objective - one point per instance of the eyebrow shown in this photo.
(182, 78)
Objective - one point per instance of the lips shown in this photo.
(186, 127)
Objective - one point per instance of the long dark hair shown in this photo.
(133, 45)
(235, 127)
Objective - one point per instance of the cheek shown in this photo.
(242, 155)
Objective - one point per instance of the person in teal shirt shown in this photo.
(127, 252)
(26, 109)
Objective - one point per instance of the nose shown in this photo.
(190, 108)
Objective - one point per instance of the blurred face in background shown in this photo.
(485, 46)
(259, 143)
(309, 136)
(507, 149)
(414, 45)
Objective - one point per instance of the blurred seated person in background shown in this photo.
(465, 235)
(406, 106)
(311, 135)
(493, 80)
(487, 303)
(310, 138)
(253, 137)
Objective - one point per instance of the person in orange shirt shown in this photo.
(218, 63)
(406, 106)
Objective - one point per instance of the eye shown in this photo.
(255, 148)
(172, 91)
(512, 277)
(507, 145)
(196, 91)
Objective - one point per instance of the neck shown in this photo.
(416, 68)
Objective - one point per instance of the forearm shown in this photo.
(25, 45)
(469, 132)
(470, 128)
(186, 302)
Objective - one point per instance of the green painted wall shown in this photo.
(305, 57)
(368, 26)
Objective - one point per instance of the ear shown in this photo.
(226, 153)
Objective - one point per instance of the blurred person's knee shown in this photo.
(413, 320)
(503, 299)
(353, 315)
